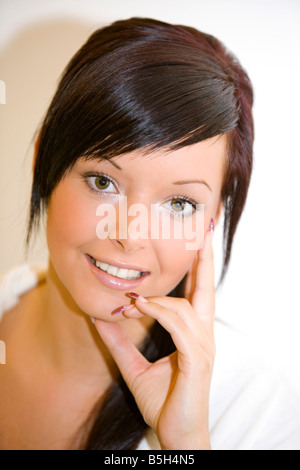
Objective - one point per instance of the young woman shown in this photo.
(113, 346)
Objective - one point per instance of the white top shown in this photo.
(251, 406)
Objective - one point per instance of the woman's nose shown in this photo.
(130, 229)
(133, 227)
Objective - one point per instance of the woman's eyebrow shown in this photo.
(193, 181)
(176, 182)
(113, 163)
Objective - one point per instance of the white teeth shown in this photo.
(133, 273)
(121, 273)
(103, 266)
(112, 270)
(129, 274)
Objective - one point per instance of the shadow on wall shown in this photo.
(30, 67)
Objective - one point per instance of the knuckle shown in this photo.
(184, 302)
(206, 352)
(206, 363)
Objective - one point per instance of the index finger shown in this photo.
(203, 294)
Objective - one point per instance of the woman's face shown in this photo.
(92, 227)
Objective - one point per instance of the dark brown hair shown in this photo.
(142, 83)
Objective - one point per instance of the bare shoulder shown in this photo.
(17, 316)
(14, 336)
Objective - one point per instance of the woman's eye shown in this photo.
(181, 206)
(101, 183)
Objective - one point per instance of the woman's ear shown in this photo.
(36, 149)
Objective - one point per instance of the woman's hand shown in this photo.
(173, 393)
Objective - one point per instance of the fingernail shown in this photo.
(92, 320)
(137, 297)
(212, 225)
(121, 309)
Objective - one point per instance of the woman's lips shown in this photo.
(112, 281)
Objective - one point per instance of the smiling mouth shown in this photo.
(121, 273)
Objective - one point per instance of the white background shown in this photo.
(261, 293)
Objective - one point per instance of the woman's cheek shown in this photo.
(175, 260)
(176, 256)
(71, 221)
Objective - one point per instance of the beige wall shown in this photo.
(30, 66)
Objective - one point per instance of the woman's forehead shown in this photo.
(203, 162)
(214, 145)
